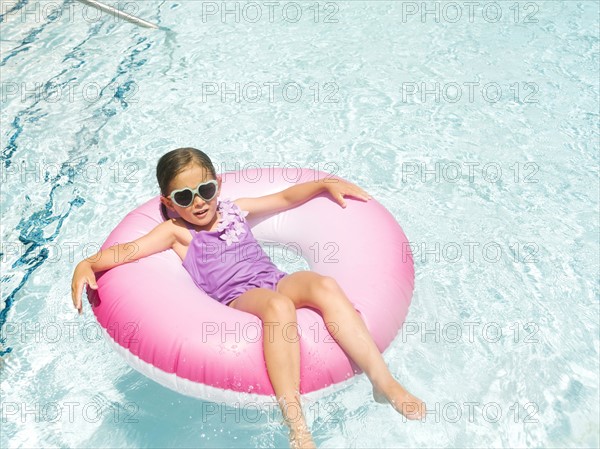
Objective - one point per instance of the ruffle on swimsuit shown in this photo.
(232, 218)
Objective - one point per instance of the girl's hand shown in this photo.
(339, 188)
(82, 275)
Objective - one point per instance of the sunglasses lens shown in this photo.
(184, 198)
(208, 191)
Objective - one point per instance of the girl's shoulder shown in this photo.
(173, 222)
(179, 227)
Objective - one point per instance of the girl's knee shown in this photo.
(280, 306)
(326, 284)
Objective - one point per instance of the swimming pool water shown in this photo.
(476, 126)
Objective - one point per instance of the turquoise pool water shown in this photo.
(475, 124)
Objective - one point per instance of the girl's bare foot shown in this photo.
(300, 438)
(404, 402)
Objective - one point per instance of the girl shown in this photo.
(190, 187)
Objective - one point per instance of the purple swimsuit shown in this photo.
(229, 261)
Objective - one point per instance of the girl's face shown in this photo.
(190, 177)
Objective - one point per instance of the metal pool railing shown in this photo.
(120, 14)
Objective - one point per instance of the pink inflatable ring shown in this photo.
(153, 314)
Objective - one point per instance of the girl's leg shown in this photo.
(307, 288)
(282, 355)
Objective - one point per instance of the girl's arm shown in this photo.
(300, 193)
(162, 237)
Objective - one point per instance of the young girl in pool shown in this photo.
(190, 187)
